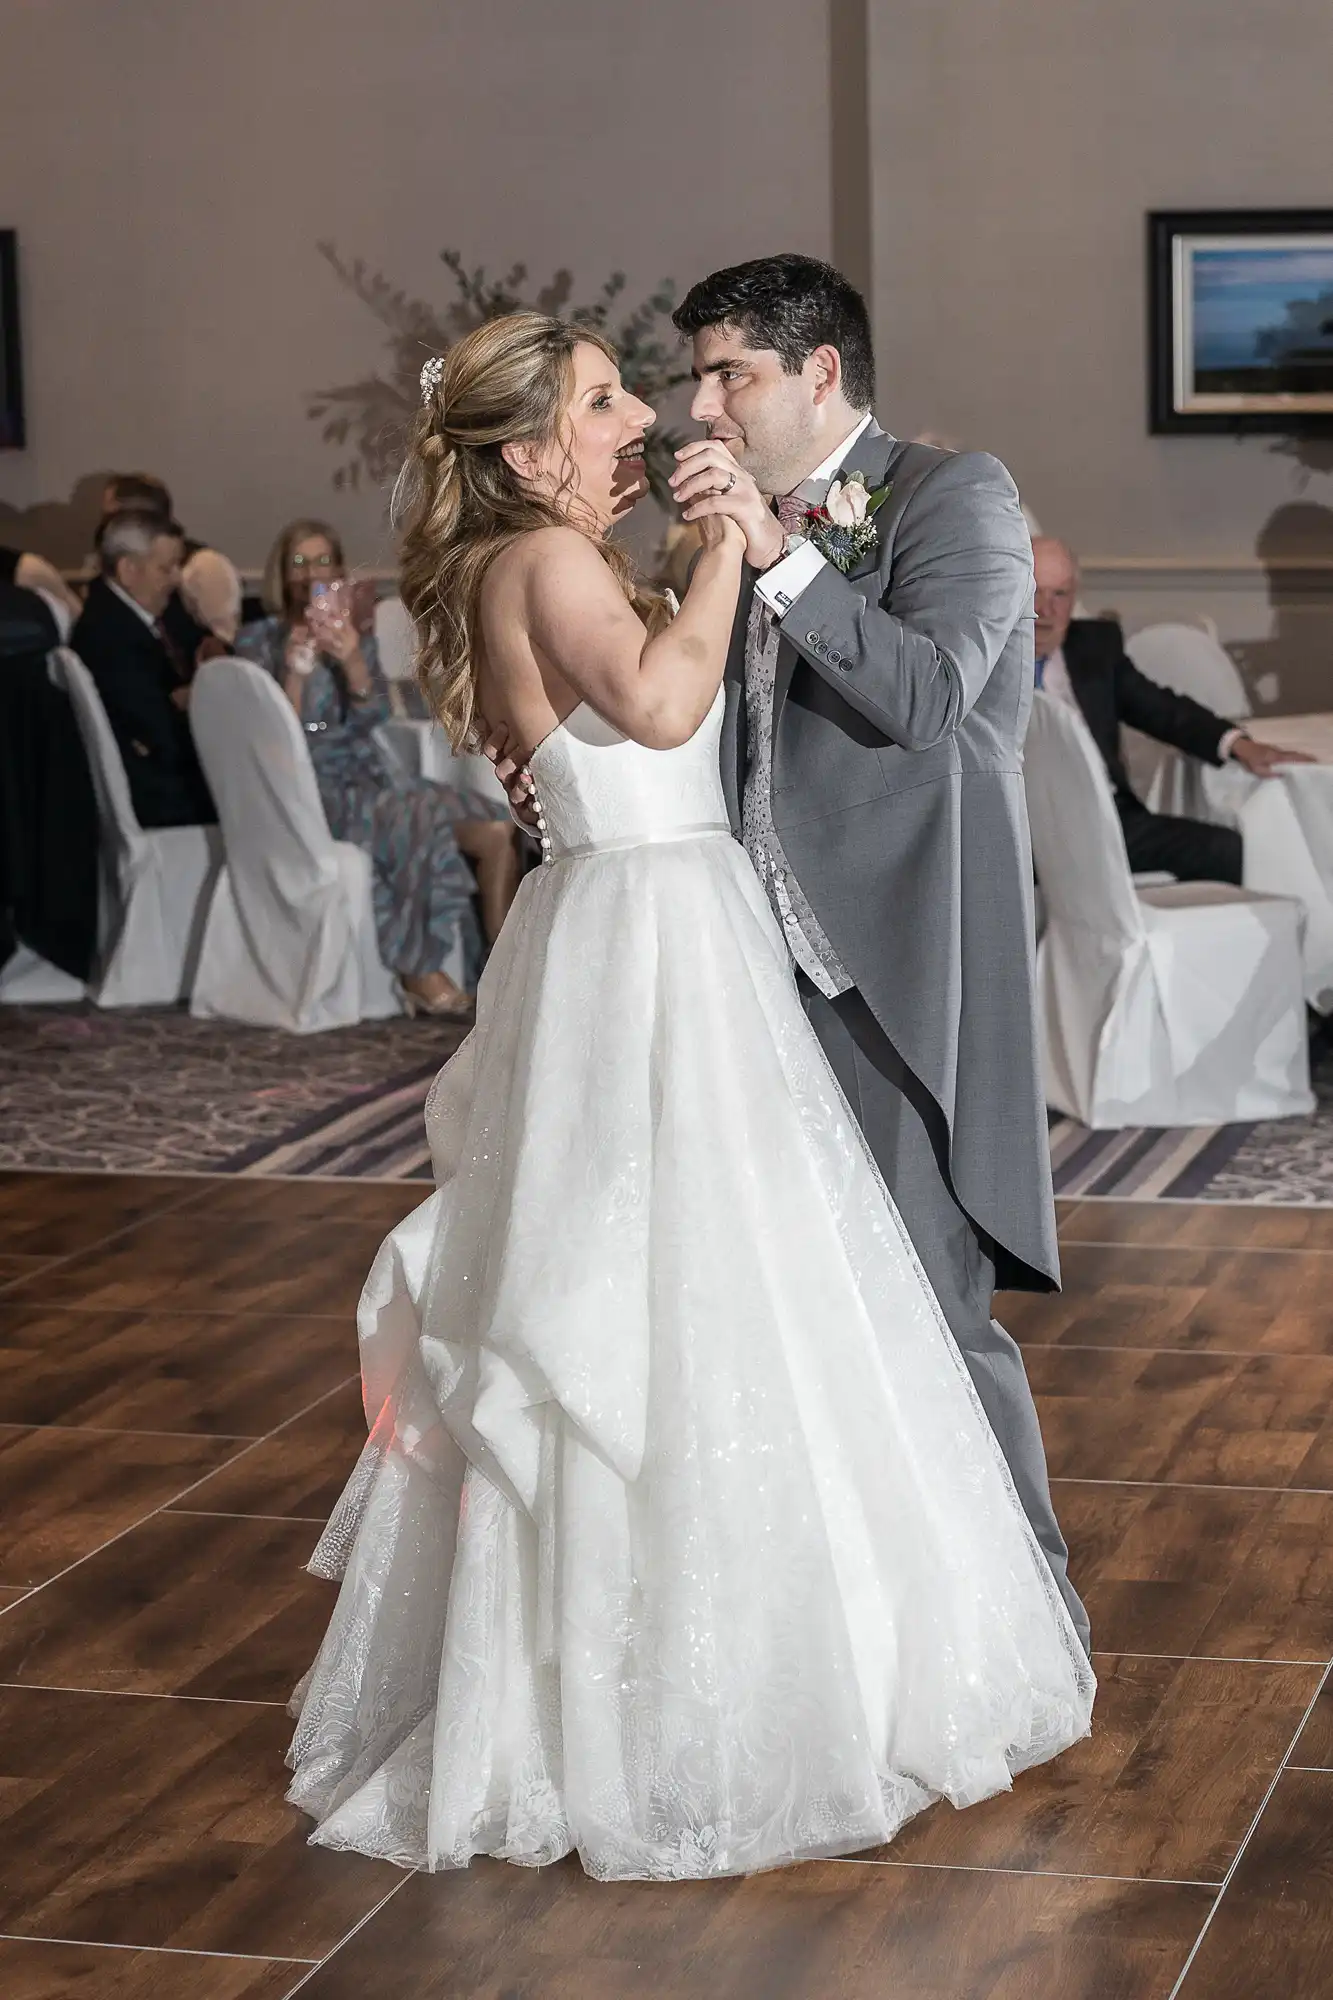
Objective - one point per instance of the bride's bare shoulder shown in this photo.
(547, 558)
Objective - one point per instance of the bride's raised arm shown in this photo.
(656, 690)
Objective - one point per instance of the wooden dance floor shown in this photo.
(178, 1412)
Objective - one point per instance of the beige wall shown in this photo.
(1016, 145)
(171, 164)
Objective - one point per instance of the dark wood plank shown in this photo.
(1260, 1420)
(1316, 1743)
(182, 1605)
(238, 1374)
(66, 1971)
(1243, 1301)
(300, 1470)
(1228, 1572)
(14, 1268)
(51, 1215)
(199, 1259)
(1165, 1788)
(63, 1494)
(235, 1201)
(836, 1930)
(1203, 1224)
(163, 1823)
(1273, 1930)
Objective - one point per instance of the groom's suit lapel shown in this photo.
(871, 456)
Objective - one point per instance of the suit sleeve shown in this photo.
(913, 657)
(1170, 718)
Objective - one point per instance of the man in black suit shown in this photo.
(142, 678)
(1082, 661)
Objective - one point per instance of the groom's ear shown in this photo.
(825, 364)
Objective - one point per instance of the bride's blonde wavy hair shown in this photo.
(459, 503)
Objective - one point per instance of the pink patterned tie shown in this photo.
(791, 514)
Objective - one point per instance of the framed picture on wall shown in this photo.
(1240, 305)
(11, 364)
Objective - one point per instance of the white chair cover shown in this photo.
(395, 640)
(1177, 1005)
(422, 748)
(155, 881)
(1288, 841)
(1189, 660)
(26, 980)
(290, 941)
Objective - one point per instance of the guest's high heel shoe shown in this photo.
(452, 1004)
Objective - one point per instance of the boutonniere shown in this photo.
(843, 529)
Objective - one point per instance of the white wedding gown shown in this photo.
(680, 1538)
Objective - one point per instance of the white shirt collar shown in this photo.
(816, 486)
(134, 604)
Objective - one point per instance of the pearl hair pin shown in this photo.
(430, 376)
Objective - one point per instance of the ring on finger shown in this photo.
(731, 481)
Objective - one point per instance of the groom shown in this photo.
(872, 759)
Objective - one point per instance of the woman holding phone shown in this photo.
(420, 835)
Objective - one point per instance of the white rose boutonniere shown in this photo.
(843, 529)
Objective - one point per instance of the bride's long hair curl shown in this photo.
(458, 502)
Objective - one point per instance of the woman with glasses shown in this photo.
(420, 835)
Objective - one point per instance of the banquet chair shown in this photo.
(155, 881)
(290, 939)
(421, 746)
(1179, 1004)
(1283, 856)
(1188, 659)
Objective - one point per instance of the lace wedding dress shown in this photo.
(680, 1537)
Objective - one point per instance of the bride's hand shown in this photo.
(719, 531)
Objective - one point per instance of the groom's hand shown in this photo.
(707, 480)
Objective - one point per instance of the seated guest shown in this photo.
(416, 832)
(1082, 662)
(142, 678)
(203, 614)
(29, 572)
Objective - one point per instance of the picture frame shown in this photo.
(1240, 321)
(13, 434)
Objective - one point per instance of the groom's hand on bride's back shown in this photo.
(708, 481)
(503, 752)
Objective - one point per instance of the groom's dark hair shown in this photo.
(792, 304)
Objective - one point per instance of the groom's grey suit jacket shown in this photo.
(901, 705)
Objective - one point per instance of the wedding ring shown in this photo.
(731, 481)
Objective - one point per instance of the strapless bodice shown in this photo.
(598, 791)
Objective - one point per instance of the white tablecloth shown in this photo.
(1287, 825)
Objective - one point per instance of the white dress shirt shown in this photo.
(135, 606)
(796, 571)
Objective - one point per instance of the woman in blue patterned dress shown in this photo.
(420, 835)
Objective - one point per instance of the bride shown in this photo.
(680, 1538)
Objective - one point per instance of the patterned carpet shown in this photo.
(151, 1091)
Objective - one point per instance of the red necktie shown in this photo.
(792, 513)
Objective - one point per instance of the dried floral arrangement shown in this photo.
(369, 418)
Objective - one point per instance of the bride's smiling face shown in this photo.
(596, 463)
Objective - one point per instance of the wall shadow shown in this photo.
(1291, 671)
(60, 530)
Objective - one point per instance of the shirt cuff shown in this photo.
(1228, 744)
(782, 585)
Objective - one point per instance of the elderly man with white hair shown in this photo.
(141, 675)
(1082, 662)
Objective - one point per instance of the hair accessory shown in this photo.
(430, 376)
